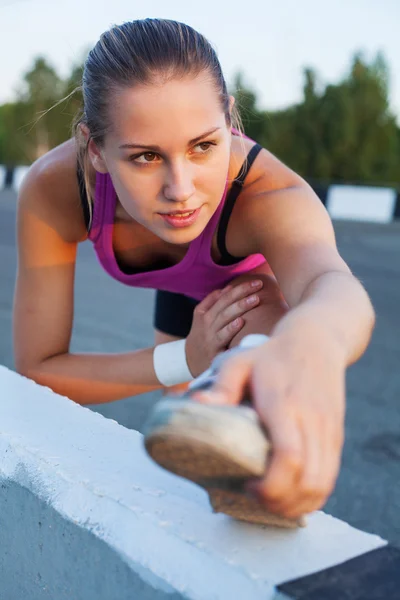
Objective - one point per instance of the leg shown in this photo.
(271, 309)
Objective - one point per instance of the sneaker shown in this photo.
(217, 447)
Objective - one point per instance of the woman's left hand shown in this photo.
(297, 387)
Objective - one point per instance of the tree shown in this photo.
(254, 121)
(341, 132)
(41, 117)
(344, 132)
(42, 89)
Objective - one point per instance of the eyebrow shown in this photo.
(158, 149)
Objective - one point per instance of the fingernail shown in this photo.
(213, 398)
(256, 283)
(252, 300)
(236, 322)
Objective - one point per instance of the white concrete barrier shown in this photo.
(2, 177)
(361, 203)
(14, 178)
(19, 175)
(85, 514)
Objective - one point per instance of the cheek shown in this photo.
(139, 204)
(213, 175)
(217, 177)
(134, 193)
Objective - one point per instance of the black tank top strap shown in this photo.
(226, 258)
(83, 196)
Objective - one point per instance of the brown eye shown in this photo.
(150, 156)
(204, 147)
(145, 158)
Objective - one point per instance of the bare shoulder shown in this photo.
(50, 190)
(273, 198)
(267, 173)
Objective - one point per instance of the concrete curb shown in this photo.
(12, 177)
(85, 514)
(360, 203)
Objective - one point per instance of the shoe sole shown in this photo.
(218, 448)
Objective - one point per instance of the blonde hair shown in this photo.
(142, 52)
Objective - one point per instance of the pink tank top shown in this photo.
(196, 275)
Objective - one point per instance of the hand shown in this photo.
(216, 321)
(298, 390)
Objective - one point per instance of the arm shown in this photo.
(43, 303)
(324, 297)
(298, 377)
(50, 226)
(281, 217)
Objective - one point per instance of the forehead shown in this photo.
(178, 110)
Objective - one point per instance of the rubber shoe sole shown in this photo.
(218, 448)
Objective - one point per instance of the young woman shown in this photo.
(174, 198)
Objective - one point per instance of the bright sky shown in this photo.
(271, 41)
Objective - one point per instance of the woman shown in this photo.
(173, 197)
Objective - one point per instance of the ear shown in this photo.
(94, 152)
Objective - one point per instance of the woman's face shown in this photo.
(168, 153)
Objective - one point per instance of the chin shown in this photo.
(181, 237)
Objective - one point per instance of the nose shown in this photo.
(179, 186)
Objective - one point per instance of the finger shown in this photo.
(225, 335)
(321, 468)
(226, 289)
(235, 294)
(329, 467)
(231, 381)
(307, 494)
(286, 463)
(208, 301)
(233, 311)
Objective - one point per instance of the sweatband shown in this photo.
(170, 363)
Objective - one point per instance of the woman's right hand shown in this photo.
(216, 321)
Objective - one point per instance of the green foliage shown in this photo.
(40, 119)
(341, 132)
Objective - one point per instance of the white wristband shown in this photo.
(170, 363)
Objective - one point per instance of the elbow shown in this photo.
(30, 371)
(371, 317)
(36, 370)
(369, 310)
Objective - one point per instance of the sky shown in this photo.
(269, 41)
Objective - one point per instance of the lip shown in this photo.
(179, 212)
(176, 221)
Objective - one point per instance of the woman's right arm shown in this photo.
(49, 228)
(48, 236)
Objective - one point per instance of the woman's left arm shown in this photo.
(298, 377)
(325, 298)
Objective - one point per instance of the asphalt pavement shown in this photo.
(110, 317)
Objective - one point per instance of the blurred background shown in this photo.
(317, 84)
